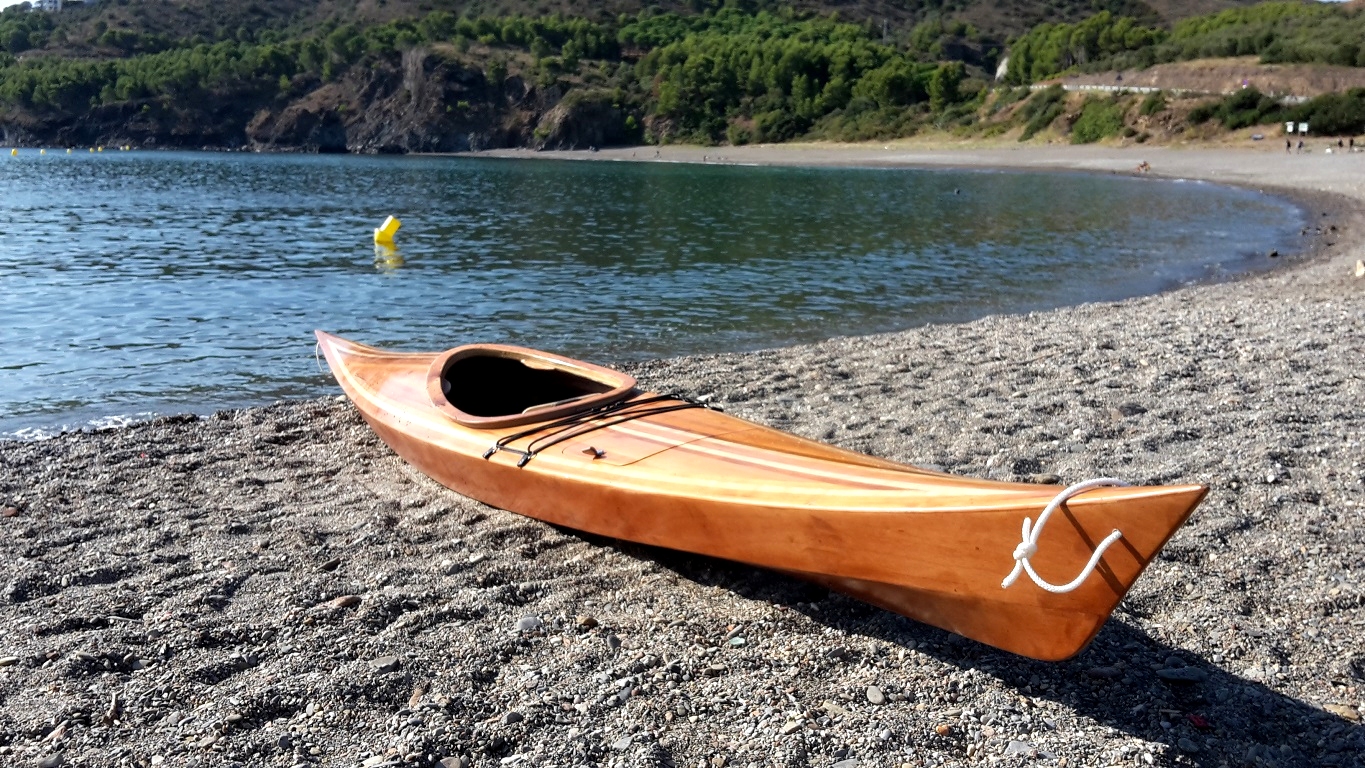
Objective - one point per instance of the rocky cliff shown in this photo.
(419, 101)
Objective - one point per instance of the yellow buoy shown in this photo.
(42, 151)
(100, 149)
(14, 152)
(384, 235)
(92, 149)
(68, 150)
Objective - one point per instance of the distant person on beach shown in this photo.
(1288, 145)
(1300, 145)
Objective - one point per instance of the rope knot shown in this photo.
(1029, 546)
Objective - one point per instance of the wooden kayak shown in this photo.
(579, 446)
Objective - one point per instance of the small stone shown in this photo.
(385, 664)
(1274, 254)
(346, 601)
(454, 762)
(613, 642)
(8, 661)
(736, 642)
(9, 512)
(1187, 746)
(833, 710)
(885, 734)
(790, 727)
(207, 741)
(311, 709)
(476, 558)
(714, 670)
(285, 742)
(943, 729)
(1045, 478)
(875, 695)
(849, 763)
(586, 622)
(621, 744)
(1186, 675)
(372, 761)
(1019, 748)
(529, 623)
(1350, 713)
(512, 718)
(330, 565)
(1104, 673)
(51, 761)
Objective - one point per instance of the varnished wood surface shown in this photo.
(930, 546)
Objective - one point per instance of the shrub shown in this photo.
(1040, 110)
(1100, 119)
(1334, 114)
(1154, 103)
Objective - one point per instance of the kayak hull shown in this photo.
(927, 545)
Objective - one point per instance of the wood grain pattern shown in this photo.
(930, 546)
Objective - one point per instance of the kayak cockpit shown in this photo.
(495, 385)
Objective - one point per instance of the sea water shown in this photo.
(137, 283)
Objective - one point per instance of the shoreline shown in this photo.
(271, 586)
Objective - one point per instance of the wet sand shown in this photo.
(273, 587)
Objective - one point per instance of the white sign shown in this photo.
(1289, 127)
(1303, 127)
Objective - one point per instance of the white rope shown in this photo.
(1029, 546)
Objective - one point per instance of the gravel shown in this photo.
(273, 587)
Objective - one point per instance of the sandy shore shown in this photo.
(273, 587)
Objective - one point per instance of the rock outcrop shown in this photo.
(582, 120)
(421, 101)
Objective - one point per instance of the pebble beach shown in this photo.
(274, 587)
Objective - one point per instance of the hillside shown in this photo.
(435, 75)
(988, 25)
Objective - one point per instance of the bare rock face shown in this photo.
(423, 102)
(580, 121)
(304, 127)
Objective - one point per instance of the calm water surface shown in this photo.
(137, 283)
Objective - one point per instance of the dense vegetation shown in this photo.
(724, 76)
(1277, 32)
(1332, 114)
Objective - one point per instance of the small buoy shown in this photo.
(42, 151)
(92, 149)
(384, 234)
(14, 152)
(68, 150)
